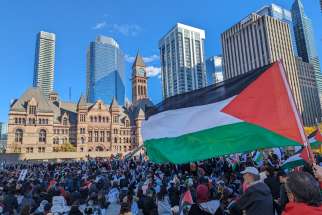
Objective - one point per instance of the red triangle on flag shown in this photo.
(318, 136)
(187, 198)
(268, 103)
(305, 154)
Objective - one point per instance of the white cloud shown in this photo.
(129, 59)
(99, 25)
(147, 59)
(126, 29)
(153, 71)
(151, 58)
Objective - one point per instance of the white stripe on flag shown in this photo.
(174, 123)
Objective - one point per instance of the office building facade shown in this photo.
(45, 62)
(305, 41)
(182, 60)
(257, 41)
(283, 15)
(105, 71)
(214, 70)
(309, 92)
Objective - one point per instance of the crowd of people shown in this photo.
(138, 186)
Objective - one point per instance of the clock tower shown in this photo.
(139, 80)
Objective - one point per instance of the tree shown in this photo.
(65, 147)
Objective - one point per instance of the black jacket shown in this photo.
(274, 185)
(257, 200)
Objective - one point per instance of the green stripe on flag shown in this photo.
(214, 142)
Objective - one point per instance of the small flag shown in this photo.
(296, 160)
(315, 138)
(187, 198)
(258, 158)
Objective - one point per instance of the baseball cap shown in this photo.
(251, 170)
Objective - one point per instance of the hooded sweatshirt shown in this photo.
(296, 208)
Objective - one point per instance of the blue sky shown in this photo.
(135, 25)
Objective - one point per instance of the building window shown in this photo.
(65, 121)
(82, 140)
(102, 136)
(115, 131)
(116, 119)
(127, 123)
(90, 136)
(115, 140)
(81, 149)
(95, 119)
(99, 119)
(91, 119)
(29, 150)
(103, 119)
(56, 140)
(96, 136)
(32, 110)
(42, 136)
(82, 118)
(41, 149)
(18, 136)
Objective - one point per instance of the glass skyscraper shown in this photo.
(283, 15)
(214, 70)
(305, 40)
(105, 71)
(182, 60)
(45, 62)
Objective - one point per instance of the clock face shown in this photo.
(141, 72)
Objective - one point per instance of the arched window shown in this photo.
(42, 136)
(99, 119)
(95, 119)
(56, 140)
(99, 149)
(106, 119)
(91, 118)
(18, 136)
(82, 140)
(65, 121)
(103, 119)
(115, 140)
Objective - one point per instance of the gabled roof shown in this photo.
(82, 101)
(138, 61)
(114, 103)
(43, 105)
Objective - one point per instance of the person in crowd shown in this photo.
(303, 194)
(257, 197)
(206, 204)
(163, 202)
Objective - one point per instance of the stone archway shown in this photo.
(99, 149)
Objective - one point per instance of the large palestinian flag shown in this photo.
(252, 111)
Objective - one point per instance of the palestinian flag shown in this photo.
(299, 159)
(315, 139)
(252, 111)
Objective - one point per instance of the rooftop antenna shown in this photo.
(70, 94)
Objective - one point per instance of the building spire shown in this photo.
(138, 61)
